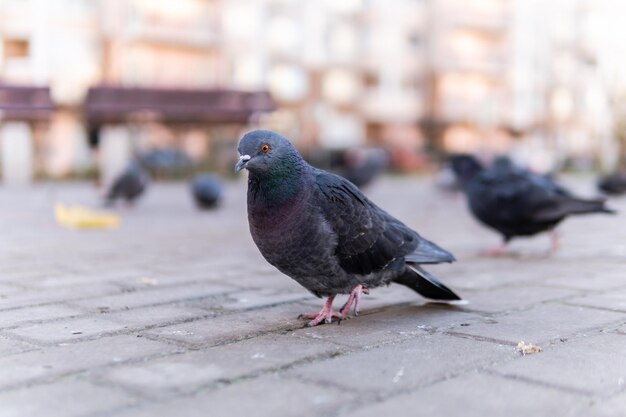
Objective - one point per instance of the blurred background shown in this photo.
(87, 84)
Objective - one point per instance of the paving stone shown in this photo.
(476, 395)
(185, 372)
(66, 330)
(541, 324)
(57, 295)
(478, 273)
(230, 327)
(612, 300)
(62, 399)
(12, 318)
(11, 346)
(53, 361)
(504, 299)
(269, 396)
(250, 299)
(6, 290)
(406, 364)
(152, 296)
(612, 407)
(154, 316)
(595, 364)
(608, 277)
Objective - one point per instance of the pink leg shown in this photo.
(554, 241)
(326, 314)
(495, 251)
(353, 298)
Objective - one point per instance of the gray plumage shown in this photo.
(129, 185)
(361, 166)
(320, 230)
(515, 201)
(613, 184)
(206, 190)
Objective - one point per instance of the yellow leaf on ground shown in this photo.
(79, 217)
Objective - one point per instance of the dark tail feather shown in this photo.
(425, 284)
(572, 206)
(429, 253)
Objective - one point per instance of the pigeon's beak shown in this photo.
(243, 160)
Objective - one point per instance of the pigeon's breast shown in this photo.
(297, 240)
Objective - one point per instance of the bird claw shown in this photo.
(327, 314)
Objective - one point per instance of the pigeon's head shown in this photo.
(263, 151)
(465, 167)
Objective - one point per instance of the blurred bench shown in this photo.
(21, 107)
(106, 104)
(110, 109)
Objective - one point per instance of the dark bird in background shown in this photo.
(361, 166)
(613, 184)
(446, 180)
(320, 230)
(168, 162)
(516, 202)
(129, 185)
(206, 190)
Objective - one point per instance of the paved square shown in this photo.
(176, 313)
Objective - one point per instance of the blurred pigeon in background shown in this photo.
(167, 162)
(129, 185)
(206, 190)
(613, 184)
(516, 202)
(320, 230)
(361, 166)
(446, 180)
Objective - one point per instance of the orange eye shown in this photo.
(265, 148)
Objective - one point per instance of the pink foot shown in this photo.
(495, 251)
(326, 314)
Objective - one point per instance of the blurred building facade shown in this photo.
(412, 74)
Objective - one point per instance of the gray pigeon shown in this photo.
(613, 184)
(206, 190)
(516, 202)
(129, 185)
(320, 230)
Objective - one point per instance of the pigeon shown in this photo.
(167, 162)
(362, 166)
(319, 229)
(206, 190)
(128, 186)
(516, 202)
(613, 184)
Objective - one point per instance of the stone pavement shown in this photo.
(176, 313)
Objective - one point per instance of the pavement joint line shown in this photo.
(127, 330)
(480, 338)
(539, 382)
(223, 382)
(613, 310)
(85, 371)
(27, 323)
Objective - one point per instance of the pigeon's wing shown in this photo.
(522, 196)
(368, 239)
